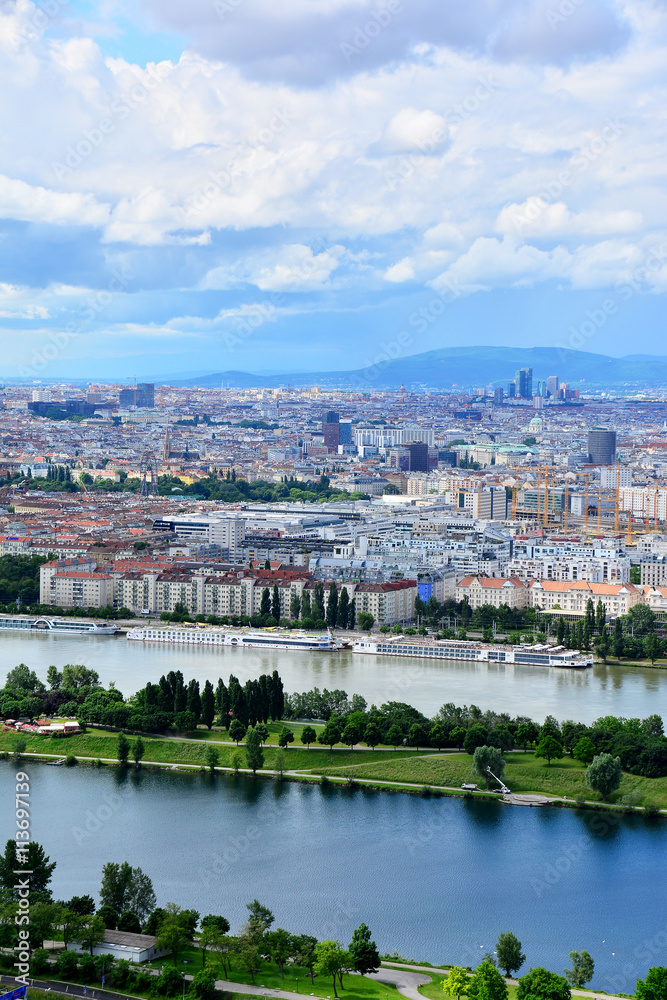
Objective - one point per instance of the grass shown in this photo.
(97, 743)
(433, 990)
(296, 978)
(523, 773)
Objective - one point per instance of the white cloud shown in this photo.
(295, 268)
(402, 271)
(411, 131)
(29, 203)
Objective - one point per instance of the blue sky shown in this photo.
(239, 184)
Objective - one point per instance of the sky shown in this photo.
(312, 185)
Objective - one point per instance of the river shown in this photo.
(435, 879)
(583, 695)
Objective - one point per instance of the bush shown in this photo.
(202, 986)
(105, 962)
(67, 965)
(70, 760)
(40, 961)
(109, 916)
(86, 968)
(651, 809)
(120, 973)
(169, 983)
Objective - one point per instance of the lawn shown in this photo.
(433, 990)
(296, 979)
(523, 773)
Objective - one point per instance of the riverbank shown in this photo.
(408, 769)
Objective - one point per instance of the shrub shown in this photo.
(169, 983)
(67, 965)
(40, 961)
(86, 968)
(70, 760)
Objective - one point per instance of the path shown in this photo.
(406, 982)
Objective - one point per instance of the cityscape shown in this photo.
(333, 500)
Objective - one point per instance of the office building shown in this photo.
(524, 383)
(331, 431)
(141, 394)
(345, 432)
(418, 456)
(601, 446)
(552, 386)
(498, 396)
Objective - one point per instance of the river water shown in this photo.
(583, 695)
(435, 879)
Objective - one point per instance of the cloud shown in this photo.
(295, 268)
(410, 130)
(310, 44)
(402, 271)
(29, 203)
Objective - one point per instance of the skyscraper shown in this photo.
(418, 456)
(524, 383)
(601, 446)
(331, 431)
(552, 386)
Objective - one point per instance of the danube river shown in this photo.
(583, 695)
(435, 879)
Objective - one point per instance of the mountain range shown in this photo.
(460, 368)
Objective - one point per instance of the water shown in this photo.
(436, 879)
(583, 695)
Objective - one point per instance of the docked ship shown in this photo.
(539, 655)
(220, 636)
(56, 626)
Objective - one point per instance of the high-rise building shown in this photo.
(498, 396)
(601, 446)
(419, 456)
(142, 394)
(345, 432)
(511, 390)
(524, 383)
(552, 386)
(41, 395)
(331, 431)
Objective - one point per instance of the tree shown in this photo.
(90, 931)
(33, 860)
(540, 984)
(654, 987)
(318, 602)
(126, 888)
(526, 735)
(83, 905)
(285, 738)
(54, 678)
(129, 922)
(280, 945)
(308, 736)
(275, 603)
(44, 917)
(210, 937)
(212, 758)
(372, 735)
(456, 982)
(550, 749)
(280, 762)
(343, 612)
(584, 750)
(174, 931)
(263, 731)
(265, 603)
(138, 751)
(394, 736)
(351, 734)
(305, 953)
(363, 951)
(487, 983)
(508, 952)
(332, 960)
(253, 751)
(476, 736)
(651, 647)
(332, 606)
(602, 646)
(582, 969)
(604, 774)
(619, 641)
(248, 954)
(208, 705)
(202, 986)
(122, 749)
(237, 730)
(485, 757)
(220, 923)
(365, 620)
(331, 733)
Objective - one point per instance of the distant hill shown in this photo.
(461, 367)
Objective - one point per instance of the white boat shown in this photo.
(220, 636)
(57, 626)
(539, 655)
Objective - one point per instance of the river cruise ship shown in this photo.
(56, 626)
(220, 636)
(480, 652)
